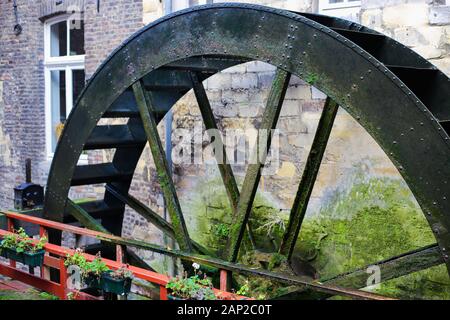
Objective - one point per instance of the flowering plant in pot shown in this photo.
(117, 281)
(18, 246)
(90, 272)
(196, 287)
(94, 270)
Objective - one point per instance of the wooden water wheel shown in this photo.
(397, 96)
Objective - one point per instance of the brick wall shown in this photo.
(106, 29)
(22, 126)
(421, 25)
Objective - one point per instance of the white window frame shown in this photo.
(66, 63)
(183, 4)
(325, 5)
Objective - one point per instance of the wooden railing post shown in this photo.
(10, 225)
(45, 271)
(62, 279)
(225, 280)
(162, 293)
(119, 253)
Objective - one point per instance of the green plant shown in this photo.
(77, 259)
(244, 289)
(276, 260)
(122, 273)
(48, 296)
(20, 241)
(40, 244)
(311, 78)
(96, 267)
(196, 287)
(221, 230)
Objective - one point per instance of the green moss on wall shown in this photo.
(212, 221)
(373, 219)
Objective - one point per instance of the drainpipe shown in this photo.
(171, 262)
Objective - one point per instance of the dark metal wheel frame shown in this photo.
(400, 99)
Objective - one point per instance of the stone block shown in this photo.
(432, 34)
(302, 92)
(409, 36)
(257, 96)
(317, 94)
(372, 18)
(296, 81)
(244, 81)
(291, 108)
(292, 124)
(439, 15)
(219, 81)
(259, 66)
(443, 64)
(250, 110)
(429, 52)
(297, 140)
(287, 170)
(312, 106)
(233, 96)
(265, 79)
(405, 15)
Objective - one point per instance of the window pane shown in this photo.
(76, 37)
(58, 103)
(335, 1)
(78, 83)
(58, 39)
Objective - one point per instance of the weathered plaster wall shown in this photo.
(423, 25)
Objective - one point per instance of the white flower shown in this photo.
(196, 266)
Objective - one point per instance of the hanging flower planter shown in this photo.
(12, 254)
(92, 281)
(19, 247)
(118, 281)
(34, 259)
(116, 286)
(91, 272)
(196, 287)
(3, 253)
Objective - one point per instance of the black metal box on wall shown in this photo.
(3, 222)
(28, 196)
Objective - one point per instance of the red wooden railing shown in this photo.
(58, 254)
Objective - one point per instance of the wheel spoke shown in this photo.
(146, 110)
(84, 217)
(308, 178)
(391, 268)
(225, 169)
(240, 268)
(150, 215)
(253, 175)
